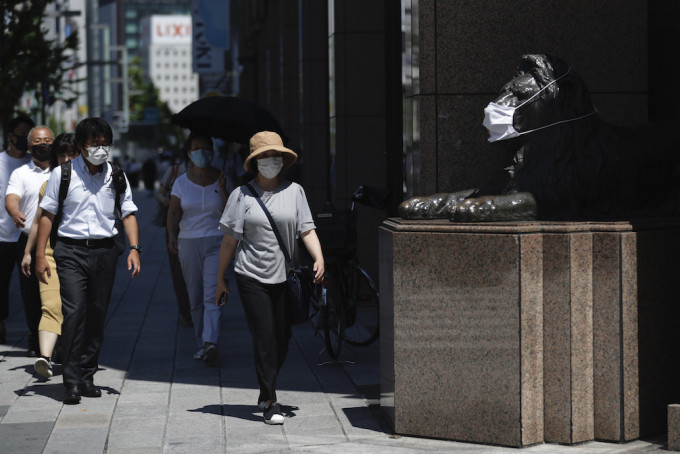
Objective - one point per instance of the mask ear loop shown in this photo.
(560, 122)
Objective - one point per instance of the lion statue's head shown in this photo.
(544, 92)
(577, 166)
(559, 150)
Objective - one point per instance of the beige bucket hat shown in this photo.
(265, 141)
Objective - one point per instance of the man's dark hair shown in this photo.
(19, 119)
(64, 143)
(92, 128)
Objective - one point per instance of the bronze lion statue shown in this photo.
(563, 162)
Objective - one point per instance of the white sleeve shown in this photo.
(127, 206)
(15, 185)
(233, 216)
(305, 220)
(50, 201)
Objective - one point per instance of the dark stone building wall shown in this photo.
(330, 72)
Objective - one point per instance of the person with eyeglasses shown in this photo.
(85, 252)
(21, 202)
(12, 158)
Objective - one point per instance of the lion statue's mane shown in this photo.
(571, 166)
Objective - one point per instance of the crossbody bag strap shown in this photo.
(291, 265)
(175, 171)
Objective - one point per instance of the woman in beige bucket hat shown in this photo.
(260, 266)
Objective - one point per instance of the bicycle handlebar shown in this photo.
(371, 196)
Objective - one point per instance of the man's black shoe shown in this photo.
(72, 395)
(88, 389)
(33, 349)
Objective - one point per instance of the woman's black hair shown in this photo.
(187, 144)
(64, 143)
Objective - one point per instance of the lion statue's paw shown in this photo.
(520, 206)
(436, 206)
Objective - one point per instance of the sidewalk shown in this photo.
(157, 399)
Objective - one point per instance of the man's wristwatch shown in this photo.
(137, 248)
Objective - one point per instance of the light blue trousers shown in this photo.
(199, 258)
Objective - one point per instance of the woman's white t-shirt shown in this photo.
(201, 208)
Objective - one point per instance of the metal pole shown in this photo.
(125, 119)
(106, 37)
(93, 72)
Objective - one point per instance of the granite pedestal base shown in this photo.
(522, 333)
(674, 427)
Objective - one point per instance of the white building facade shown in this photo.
(167, 59)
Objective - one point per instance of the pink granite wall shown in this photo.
(531, 332)
(464, 341)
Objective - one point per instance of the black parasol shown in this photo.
(228, 117)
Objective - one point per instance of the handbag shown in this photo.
(160, 215)
(300, 279)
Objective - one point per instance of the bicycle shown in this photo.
(348, 295)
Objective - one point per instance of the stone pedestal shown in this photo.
(674, 427)
(520, 333)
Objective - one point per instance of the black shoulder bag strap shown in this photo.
(119, 184)
(289, 261)
(63, 191)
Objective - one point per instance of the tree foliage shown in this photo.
(144, 97)
(30, 61)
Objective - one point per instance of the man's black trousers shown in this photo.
(8, 254)
(86, 276)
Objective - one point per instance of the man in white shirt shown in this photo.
(15, 156)
(21, 202)
(85, 251)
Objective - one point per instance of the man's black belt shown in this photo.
(93, 243)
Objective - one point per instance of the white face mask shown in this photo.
(270, 167)
(98, 155)
(498, 119)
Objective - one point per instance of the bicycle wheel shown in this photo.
(363, 315)
(332, 318)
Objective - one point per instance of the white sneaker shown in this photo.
(273, 415)
(43, 367)
(200, 355)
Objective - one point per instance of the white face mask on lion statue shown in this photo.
(565, 163)
(499, 119)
